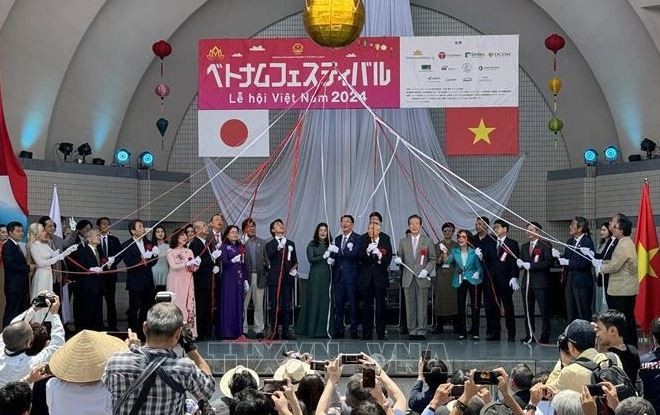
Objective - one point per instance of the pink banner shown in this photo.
(274, 73)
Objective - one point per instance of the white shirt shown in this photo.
(577, 240)
(415, 242)
(65, 398)
(15, 368)
(140, 244)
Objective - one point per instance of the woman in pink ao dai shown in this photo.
(180, 278)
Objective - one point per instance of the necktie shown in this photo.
(343, 242)
(499, 245)
(104, 246)
(217, 238)
(414, 245)
(531, 248)
(96, 255)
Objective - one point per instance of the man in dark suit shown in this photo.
(17, 282)
(577, 266)
(76, 237)
(203, 279)
(535, 261)
(139, 256)
(376, 255)
(504, 281)
(108, 249)
(345, 271)
(257, 263)
(88, 292)
(282, 275)
(484, 244)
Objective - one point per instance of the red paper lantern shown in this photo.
(162, 49)
(555, 43)
(162, 90)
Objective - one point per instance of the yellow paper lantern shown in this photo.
(555, 85)
(333, 23)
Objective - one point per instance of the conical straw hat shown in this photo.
(83, 358)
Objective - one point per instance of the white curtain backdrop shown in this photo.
(339, 152)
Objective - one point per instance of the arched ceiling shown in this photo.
(83, 71)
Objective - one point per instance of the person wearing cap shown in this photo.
(292, 369)
(581, 337)
(188, 375)
(78, 367)
(237, 379)
(17, 337)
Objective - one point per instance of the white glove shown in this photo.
(349, 246)
(443, 248)
(423, 274)
(59, 257)
(72, 248)
(155, 251)
(111, 260)
(72, 223)
(96, 270)
(378, 253)
(587, 252)
(198, 261)
(597, 263)
(330, 261)
(513, 283)
(563, 262)
(519, 263)
(216, 269)
(555, 253)
(371, 247)
(478, 253)
(294, 272)
(216, 254)
(236, 259)
(326, 254)
(56, 252)
(333, 248)
(475, 275)
(526, 265)
(397, 260)
(147, 255)
(191, 263)
(282, 243)
(246, 286)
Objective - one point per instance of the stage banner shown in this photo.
(281, 72)
(459, 71)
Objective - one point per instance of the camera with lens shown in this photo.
(44, 300)
(187, 339)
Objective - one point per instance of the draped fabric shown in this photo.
(339, 168)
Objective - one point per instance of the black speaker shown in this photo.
(635, 157)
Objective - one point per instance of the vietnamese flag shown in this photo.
(481, 131)
(13, 180)
(647, 306)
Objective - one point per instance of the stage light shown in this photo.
(25, 154)
(84, 150)
(66, 149)
(611, 154)
(145, 160)
(590, 157)
(123, 157)
(98, 161)
(648, 146)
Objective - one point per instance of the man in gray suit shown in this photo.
(417, 253)
(257, 262)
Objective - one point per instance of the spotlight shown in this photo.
(123, 157)
(145, 160)
(66, 149)
(590, 157)
(611, 154)
(648, 146)
(25, 154)
(99, 162)
(84, 150)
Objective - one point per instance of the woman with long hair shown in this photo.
(605, 248)
(467, 276)
(313, 321)
(180, 277)
(42, 256)
(232, 287)
(161, 269)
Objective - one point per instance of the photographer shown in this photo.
(17, 338)
(153, 379)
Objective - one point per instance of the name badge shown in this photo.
(536, 258)
(503, 257)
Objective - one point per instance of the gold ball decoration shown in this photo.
(333, 23)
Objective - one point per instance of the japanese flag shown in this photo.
(226, 133)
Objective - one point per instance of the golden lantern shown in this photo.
(333, 23)
(554, 85)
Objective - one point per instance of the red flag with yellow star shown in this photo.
(481, 131)
(647, 306)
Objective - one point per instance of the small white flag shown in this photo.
(55, 215)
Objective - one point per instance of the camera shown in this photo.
(164, 297)
(187, 340)
(457, 390)
(44, 300)
(369, 376)
(485, 377)
(351, 359)
(318, 365)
